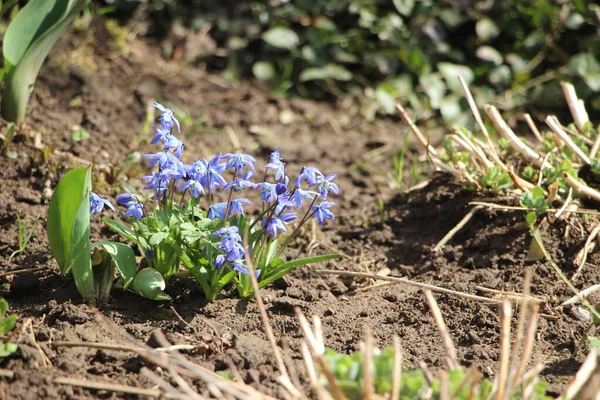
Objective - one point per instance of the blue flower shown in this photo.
(212, 177)
(217, 211)
(237, 185)
(308, 174)
(321, 212)
(231, 242)
(98, 203)
(126, 198)
(171, 142)
(158, 182)
(271, 191)
(236, 206)
(239, 161)
(276, 164)
(160, 135)
(272, 225)
(195, 188)
(325, 186)
(167, 118)
(299, 195)
(135, 210)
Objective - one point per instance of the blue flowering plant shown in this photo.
(198, 215)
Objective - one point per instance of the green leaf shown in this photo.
(80, 135)
(3, 307)
(586, 66)
(81, 262)
(486, 29)
(27, 42)
(287, 267)
(434, 87)
(124, 259)
(594, 342)
(451, 72)
(66, 201)
(281, 37)
(263, 70)
(6, 349)
(150, 283)
(157, 238)
(330, 71)
(122, 229)
(404, 7)
(8, 324)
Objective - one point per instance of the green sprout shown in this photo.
(25, 234)
(496, 180)
(535, 199)
(6, 325)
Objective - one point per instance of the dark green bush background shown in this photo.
(382, 50)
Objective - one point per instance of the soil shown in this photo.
(376, 228)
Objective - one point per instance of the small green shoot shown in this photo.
(25, 234)
(80, 135)
(6, 325)
(536, 199)
(496, 180)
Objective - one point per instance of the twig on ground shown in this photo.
(21, 270)
(580, 187)
(534, 129)
(577, 107)
(397, 369)
(410, 283)
(516, 143)
(584, 293)
(504, 358)
(583, 377)
(556, 127)
(115, 387)
(443, 330)
(284, 377)
(581, 257)
(367, 378)
(457, 228)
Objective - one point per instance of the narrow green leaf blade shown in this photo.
(81, 261)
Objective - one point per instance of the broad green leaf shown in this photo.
(6, 349)
(404, 7)
(488, 53)
(70, 193)
(281, 37)
(594, 342)
(81, 262)
(263, 70)
(486, 29)
(123, 258)
(8, 324)
(330, 71)
(586, 66)
(451, 72)
(434, 87)
(149, 283)
(158, 238)
(3, 307)
(27, 42)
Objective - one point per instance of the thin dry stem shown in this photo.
(443, 330)
(367, 379)
(580, 260)
(410, 283)
(536, 132)
(576, 106)
(556, 127)
(457, 228)
(114, 387)
(582, 377)
(504, 360)
(516, 143)
(397, 369)
(415, 130)
(580, 187)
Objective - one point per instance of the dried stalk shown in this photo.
(556, 127)
(581, 188)
(576, 106)
(443, 330)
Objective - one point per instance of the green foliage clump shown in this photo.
(6, 325)
(348, 373)
(381, 50)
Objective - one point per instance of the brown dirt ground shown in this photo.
(107, 93)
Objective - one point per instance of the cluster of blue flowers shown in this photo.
(280, 202)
